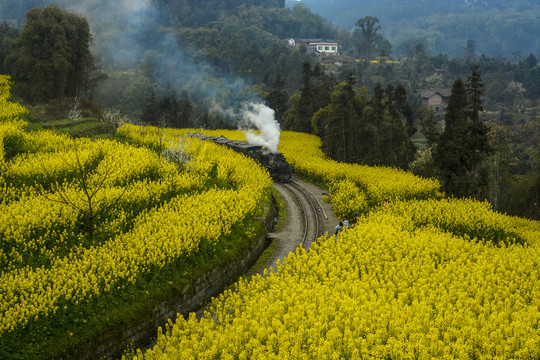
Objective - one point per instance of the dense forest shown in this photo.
(188, 63)
(500, 28)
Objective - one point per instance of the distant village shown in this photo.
(437, 99)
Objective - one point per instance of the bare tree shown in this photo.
(113, 118)
(175, 152)
(89, 197)
(74, 113)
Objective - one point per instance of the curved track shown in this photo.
(313, 212)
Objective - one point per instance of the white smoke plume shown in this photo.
(128, 33)
(262, 117)
(116, 26)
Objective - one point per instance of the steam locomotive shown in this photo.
(273, 161)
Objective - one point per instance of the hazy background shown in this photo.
(499, 27)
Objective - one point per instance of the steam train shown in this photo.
(273, 161)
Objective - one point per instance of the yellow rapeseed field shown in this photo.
(152, 212)
(401, 285)
(9, 110)
(417, 277)
(379, 184)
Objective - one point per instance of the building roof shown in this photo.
(427, 93)
(314, 41)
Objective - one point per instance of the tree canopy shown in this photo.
(52, 54)
(498, 27)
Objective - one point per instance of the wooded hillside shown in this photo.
(499, 28)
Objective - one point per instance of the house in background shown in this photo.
(437, 99)
(317, 46)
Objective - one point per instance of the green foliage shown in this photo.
(277, 98)
(498, 27)
(171, 110)
(341, 115)
(463, 145)
(8, 35)
(315, 89)
(428, 123)
(52, 54)
(353, 128)
(369, 42)
(450, 151)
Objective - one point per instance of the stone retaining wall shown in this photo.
(111, 343)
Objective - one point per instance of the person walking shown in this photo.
(345, 222)
(339, 228)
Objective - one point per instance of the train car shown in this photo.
(273, 161)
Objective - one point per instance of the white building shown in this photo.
(318, 46)
(325, 47)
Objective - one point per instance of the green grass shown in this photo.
(282, 221)
(267, 253)
(282, 211)
(82, 127)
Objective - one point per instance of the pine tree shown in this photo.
(316, 88)
(186, 111)
(277, 98)
(340, 112)
(402, 127)
(298, 118)
(463, 145)
(478, 142)
(428, 124)
(150, 110)
(372, 128)
(450, 153)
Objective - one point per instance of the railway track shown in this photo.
(313, 212)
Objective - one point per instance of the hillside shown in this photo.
(499, 28)
(193, 64)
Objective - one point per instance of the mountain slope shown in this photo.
(498, 27)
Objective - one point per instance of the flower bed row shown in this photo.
(152, 217)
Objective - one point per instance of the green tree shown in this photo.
(405, 127)
(52, 54)
(533, 82)
(185, 114)
(366, 32)
(339, 117)
(470, 49)
(93, 75)
(450, 153)
(428, 125)
(464, 144)
(315, 91)
(369, 42)
(373, 128)
(500, 140)
(478, 140)
(150, 110)
(278, 98)
(298, 118)
(8, 35)
(169, 109)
